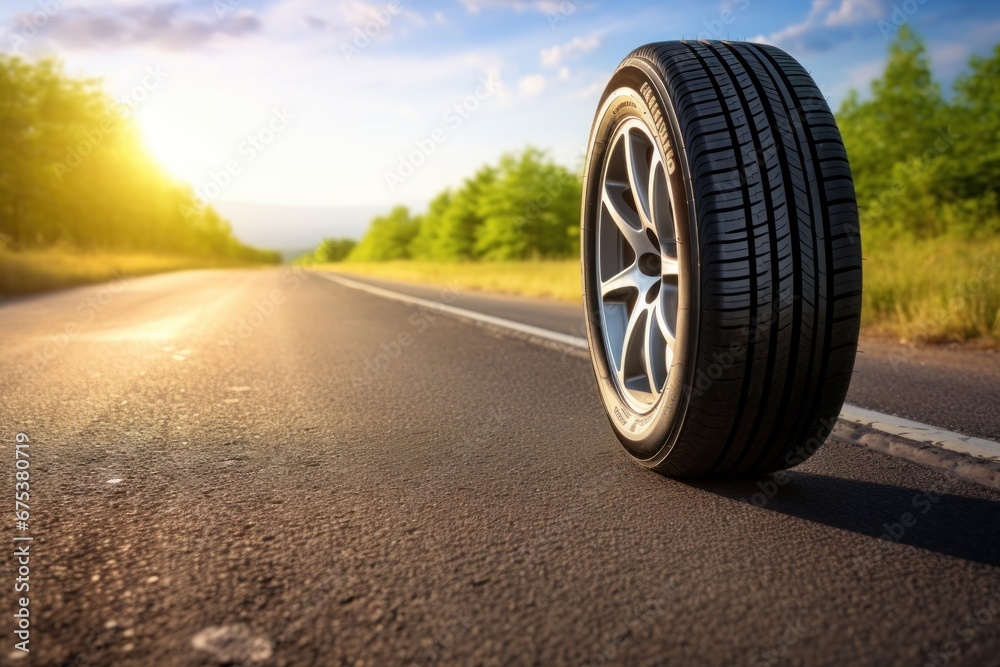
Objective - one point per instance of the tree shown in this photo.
(334, 250)
(463, 219)
(976, 122)
(427, 243)
(898, 123)
(529, 210)
(73, 171)
(388, 237)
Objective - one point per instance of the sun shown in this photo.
(177, 146)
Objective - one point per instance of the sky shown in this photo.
(299, 119)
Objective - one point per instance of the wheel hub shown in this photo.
(638, 266)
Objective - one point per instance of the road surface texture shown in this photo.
(343, 479)
(951, 388)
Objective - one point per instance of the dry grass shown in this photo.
(937, 291)
(552, 279)
(31, 271)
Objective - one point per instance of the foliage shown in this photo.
(334, 250)
(527, 206)
(73, 173)
(924, 166)
(532, 210)
(389, 237)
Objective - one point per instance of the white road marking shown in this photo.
(903, 428)
(917, 432)
(565, 339)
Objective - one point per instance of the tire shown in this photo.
(721, 259)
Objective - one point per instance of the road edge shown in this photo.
(962, 457)
(960, 465)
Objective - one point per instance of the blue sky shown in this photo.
(318, 119)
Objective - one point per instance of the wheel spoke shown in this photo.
(669, 266)
(629, 279)
(666, 328)
(659, 202)
(654, 353)
(634, 234)
(632, 331)
(638, 175)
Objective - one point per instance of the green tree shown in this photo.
(529, 210)
(463, 219)
(334, 250)
(388, 237)
(426, 244)
(74, 172)
(898, 123)
(976, 121)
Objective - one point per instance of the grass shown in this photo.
(937, 291)
(32, 271)
(553, 279)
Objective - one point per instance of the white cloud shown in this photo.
(555, 56)
(165, 25)
(533, 84)
(589, 94)
(475, 6)
(824, 14)
(852, 12)
(859, 78)
(287, 17)
(563, 73)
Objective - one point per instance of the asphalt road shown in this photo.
(348, 480)
(952, 388)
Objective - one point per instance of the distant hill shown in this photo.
(291, 229)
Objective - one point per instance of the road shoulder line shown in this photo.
(469, 315)
(965, 457)
(963, 465)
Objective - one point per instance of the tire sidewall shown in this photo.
(637, 91)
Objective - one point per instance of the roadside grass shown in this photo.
(553, 279)
(934, 291)
(32, 271)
